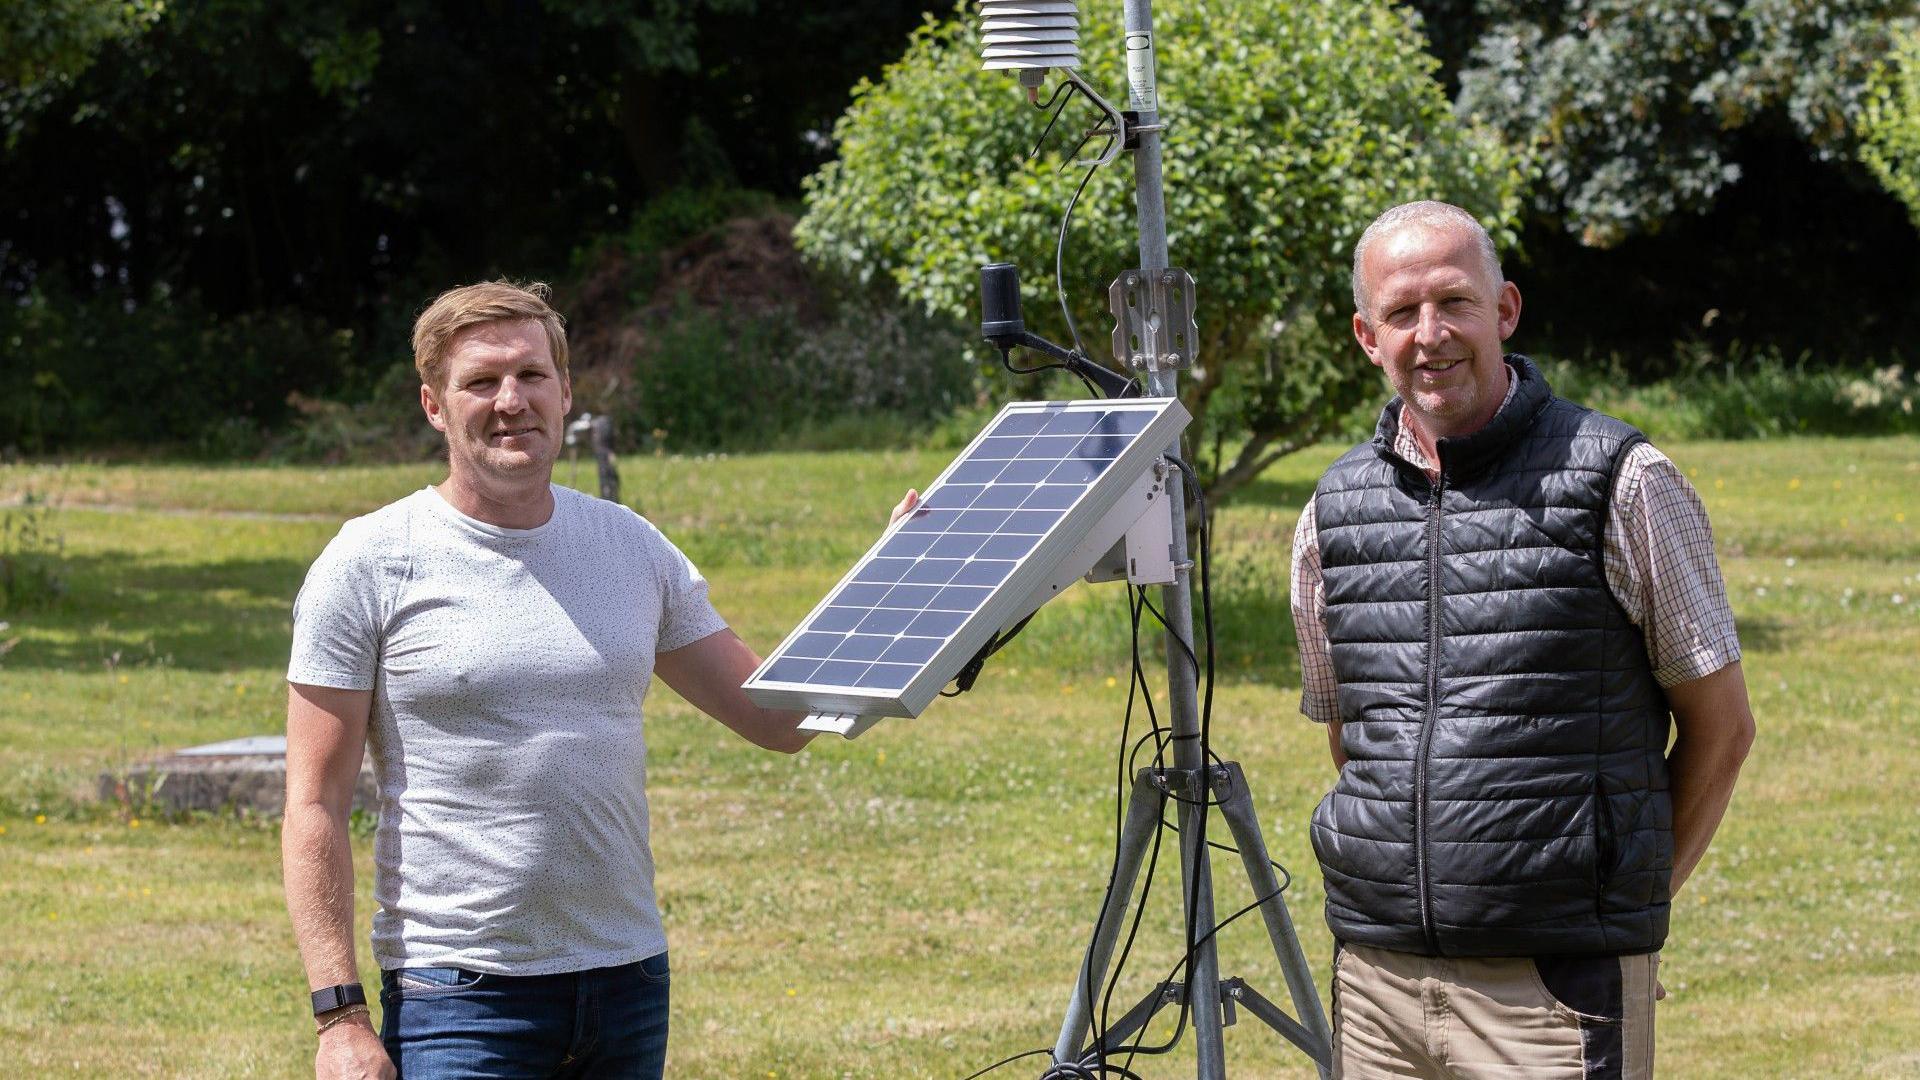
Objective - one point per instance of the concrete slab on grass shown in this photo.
(248, 775)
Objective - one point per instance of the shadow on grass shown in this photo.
(1763, 634)
(1274, 494)
(123, 609)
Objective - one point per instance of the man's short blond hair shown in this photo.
(471, 305)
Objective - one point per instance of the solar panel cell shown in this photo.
(887, 676)
(959, 598)
(1030, 522)
(999, 449)
(861, 594)
(981, 521)
(1079, 472)
(911, 650)
(884, 569)
(936, 624)
(885, 621)
(1071, 423)
(1002, 496)
(976, 472)
(1051, 447)
(1006, 547)
(933, 521)
(839, 618)
(912, 597)
(953, 496)
(791, 669)
(933, 571)
(816, 645)
(1103, 447)
(958, 545)
(983, 572)
(1052, 497)
(840, 672)
(862, 647)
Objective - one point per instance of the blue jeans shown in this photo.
(442, 1023)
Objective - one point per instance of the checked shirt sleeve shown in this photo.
(1662, 569)
(1319, 699)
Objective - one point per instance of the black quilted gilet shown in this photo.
(1506, 786)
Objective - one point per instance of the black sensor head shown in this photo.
(1000, 320)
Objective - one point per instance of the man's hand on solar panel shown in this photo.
(904, 507)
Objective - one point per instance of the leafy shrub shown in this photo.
(1889, 125)
(385, 425)
(1745, 394)
(96, 370)
(726, 379)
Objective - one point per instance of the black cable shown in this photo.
(1006, 361)
(1008, 1061)
(1122, 786)
(1063, 94)
(1136, 681)
(1286, 874)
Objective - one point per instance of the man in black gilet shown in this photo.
(1507, 604)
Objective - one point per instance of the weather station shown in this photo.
(1048, 494)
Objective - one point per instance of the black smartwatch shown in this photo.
(338, 997)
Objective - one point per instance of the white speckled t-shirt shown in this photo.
(507, 668)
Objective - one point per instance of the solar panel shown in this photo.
(985, 546)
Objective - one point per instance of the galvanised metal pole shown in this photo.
(1203, 974)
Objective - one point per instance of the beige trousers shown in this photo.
(1437, 1018)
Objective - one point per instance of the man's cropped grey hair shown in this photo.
(1431, 214)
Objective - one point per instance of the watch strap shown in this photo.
(330, 998)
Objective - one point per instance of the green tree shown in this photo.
(47, 40)
(1890, 123)
(1291, 126)
(1632, 109)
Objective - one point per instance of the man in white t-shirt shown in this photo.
(491, 639)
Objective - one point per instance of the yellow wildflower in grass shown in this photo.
(880, 757)
(1111, 681)
(133, 823)
(1793, 484)
(123, 680)
(1718, 484)
(3, 830)
(39, 819)
(1900, 516)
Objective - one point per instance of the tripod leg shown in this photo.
(1144, 804)
(1236, 805)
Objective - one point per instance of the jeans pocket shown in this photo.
(655, 969)
(416, 982)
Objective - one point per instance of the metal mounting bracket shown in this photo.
(1153, 325)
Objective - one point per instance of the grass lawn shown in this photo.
(914, 903)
